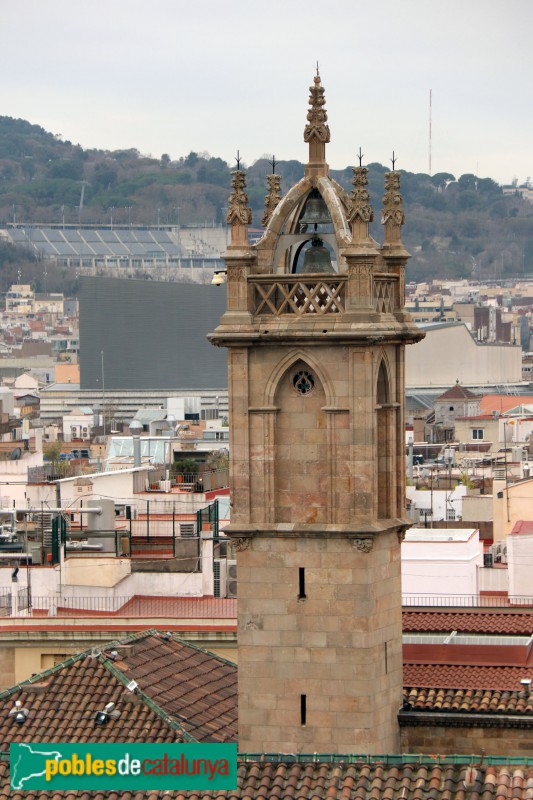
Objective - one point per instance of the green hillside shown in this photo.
(457, 226)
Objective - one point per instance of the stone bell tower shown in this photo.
(315, 330)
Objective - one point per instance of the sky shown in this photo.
(221, 76)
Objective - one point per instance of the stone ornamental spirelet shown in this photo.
(360, 207)
(239, 211)
(273, 197)
(317, 116)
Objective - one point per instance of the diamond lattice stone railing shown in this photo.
(274, 295)
(385, 292)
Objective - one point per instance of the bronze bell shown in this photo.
(317, 258)
(315, 210)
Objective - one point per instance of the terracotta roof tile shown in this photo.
(519, 622)
(61, 716)
(197, 688)
(183, 693)
(464, 677)
(502, 403)
(458, 392)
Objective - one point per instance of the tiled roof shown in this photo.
(519, 622)
(502, 402)
(434, 779)
(197, 688)
(458, 392)
(63, 705)
(477, 701)
(461, 676)
(183, 694)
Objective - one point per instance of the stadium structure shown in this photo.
(168, 252)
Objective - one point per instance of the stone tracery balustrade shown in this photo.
(275, 295)
(298, 295)
(385, 292)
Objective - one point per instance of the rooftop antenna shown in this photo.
(238, 159)
(360, 157)
(393, 161)
(430, 110)
(273, 164)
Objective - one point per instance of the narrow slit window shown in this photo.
(301, 583)
(303, 709)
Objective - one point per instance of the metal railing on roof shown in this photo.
(467, 601)
(27, 605)
(453, 759)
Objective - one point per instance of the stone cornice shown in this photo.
(434, 719)
(316, 333)
(284, 530)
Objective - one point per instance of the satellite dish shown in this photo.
(15, 454)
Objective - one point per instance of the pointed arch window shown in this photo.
(384, 443)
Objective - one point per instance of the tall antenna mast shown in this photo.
(430, 131)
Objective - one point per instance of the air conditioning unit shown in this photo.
(219, 573)
(231, 580)
(187, 530)
(499, 474)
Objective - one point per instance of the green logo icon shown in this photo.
(58, 766)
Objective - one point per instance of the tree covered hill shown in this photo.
(457, 226)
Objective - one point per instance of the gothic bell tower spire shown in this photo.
(317, 460)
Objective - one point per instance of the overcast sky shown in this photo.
(171, 76)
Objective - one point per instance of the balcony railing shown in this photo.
(275, 295)
(466, 601)
(27, 605)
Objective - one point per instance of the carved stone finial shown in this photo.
(273, 197)
(317, 116)
(360, 208)
(239, 214)
(392, 216)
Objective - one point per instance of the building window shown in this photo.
(477, 433)
(303, 381)
(301, 583)
(450, 514)
(303, 709)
